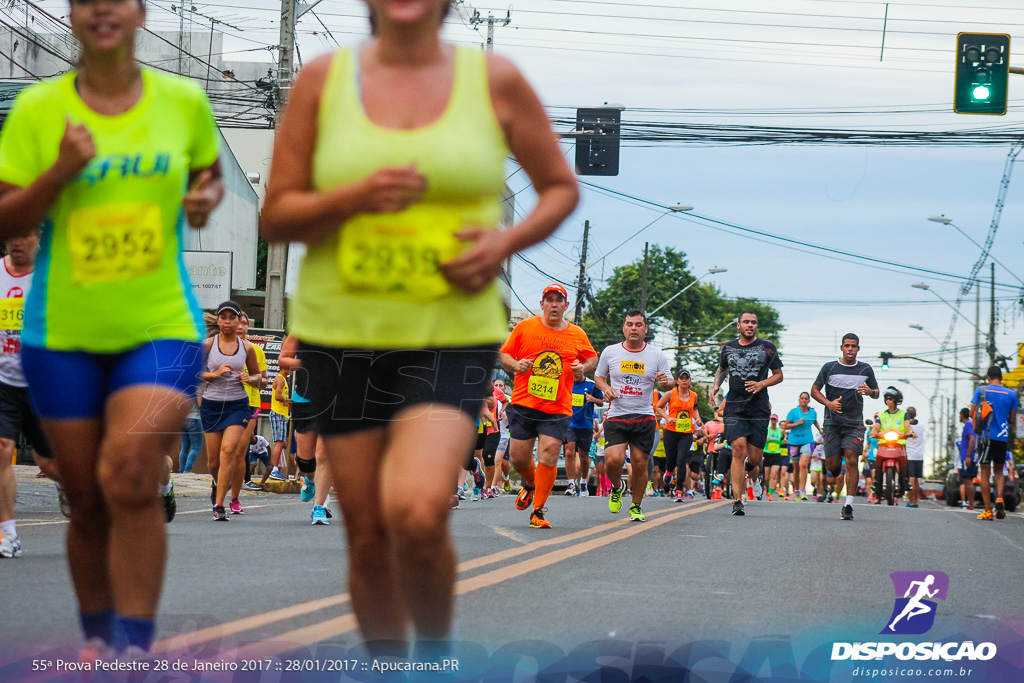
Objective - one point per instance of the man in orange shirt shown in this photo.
(548, 354)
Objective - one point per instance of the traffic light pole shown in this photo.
(582, 282)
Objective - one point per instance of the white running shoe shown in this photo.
(758, 489)
(10, 545)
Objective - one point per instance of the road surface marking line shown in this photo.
(315, 633)
(187, 640)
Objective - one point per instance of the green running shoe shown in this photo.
(615, 501)
(636, 514)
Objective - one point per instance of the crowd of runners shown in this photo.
(389, 164)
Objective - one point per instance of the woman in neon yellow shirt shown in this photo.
(390, 165)
(103, 158)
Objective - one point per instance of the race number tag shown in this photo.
(11, 313)
(631, 367)
(578, 400)
(115, 242)
(543, 388)
(683, 422)
(397, 256)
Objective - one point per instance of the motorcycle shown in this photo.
(891, 480)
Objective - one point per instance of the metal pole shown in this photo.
(490, 33)
(581, 283)
(643, 284)
(277, 254)
(977, 327)
(992, 321)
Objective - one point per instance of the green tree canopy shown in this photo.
(692, 318)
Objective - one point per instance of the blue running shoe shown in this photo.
(307, 491)
(318, 515)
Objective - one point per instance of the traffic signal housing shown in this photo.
(886, 357)
(982, 73)
(597, 141)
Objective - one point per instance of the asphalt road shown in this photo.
(269, 583)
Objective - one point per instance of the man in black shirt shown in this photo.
(747, 360)
(845, 382)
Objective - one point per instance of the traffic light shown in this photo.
(982, 73)
(597, 141)
(886, 357)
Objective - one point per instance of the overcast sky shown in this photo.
(732, 63)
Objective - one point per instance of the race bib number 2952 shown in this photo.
(115, 242)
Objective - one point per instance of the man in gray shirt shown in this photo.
(627, 373)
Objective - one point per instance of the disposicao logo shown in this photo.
(914, 612)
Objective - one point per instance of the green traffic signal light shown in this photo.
(982, 73)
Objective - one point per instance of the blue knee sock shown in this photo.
(134, 631)
(98, 625)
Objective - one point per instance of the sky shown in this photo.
(807, 63)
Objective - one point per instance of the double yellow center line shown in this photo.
(575, 544)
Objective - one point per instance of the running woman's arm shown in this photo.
(287, 358)
(251, 375)
(659, 409)
(23, 209)
(206, 190)
(293, 210)
(534, 145)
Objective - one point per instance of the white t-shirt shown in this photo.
(915, 447)
(260, 446)
(13, 290)
(632, 374)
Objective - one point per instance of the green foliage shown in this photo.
(693, 317)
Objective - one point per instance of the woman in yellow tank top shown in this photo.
(389, 164)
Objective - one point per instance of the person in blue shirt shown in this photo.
(801, 441)
(993, 409)
(585, 397)
(968, 465)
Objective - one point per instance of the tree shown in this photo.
(694, 317)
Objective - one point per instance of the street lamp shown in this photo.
(928, 288)
(711, 271)
(949, 221)
(675, 208)
(920, 328)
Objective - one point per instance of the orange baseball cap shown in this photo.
(555, 288)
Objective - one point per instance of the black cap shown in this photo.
(683, 372)
(995, 372)
(229, 306)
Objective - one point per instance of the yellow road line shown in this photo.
(315, 633)
(205, 635)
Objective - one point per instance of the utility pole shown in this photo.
(956, 363)
(277, 253)
(977, 327)
(475, 20)
(643, 285)
(581, 283)
(992, 321)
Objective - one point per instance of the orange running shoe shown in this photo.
(987, 514)
(537, 520)
(524, 498)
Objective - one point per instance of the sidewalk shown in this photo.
(186, 485)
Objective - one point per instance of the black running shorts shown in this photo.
(354, 389)
(525, 424)
(636, 430)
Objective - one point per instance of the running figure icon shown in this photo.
(915, 607)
